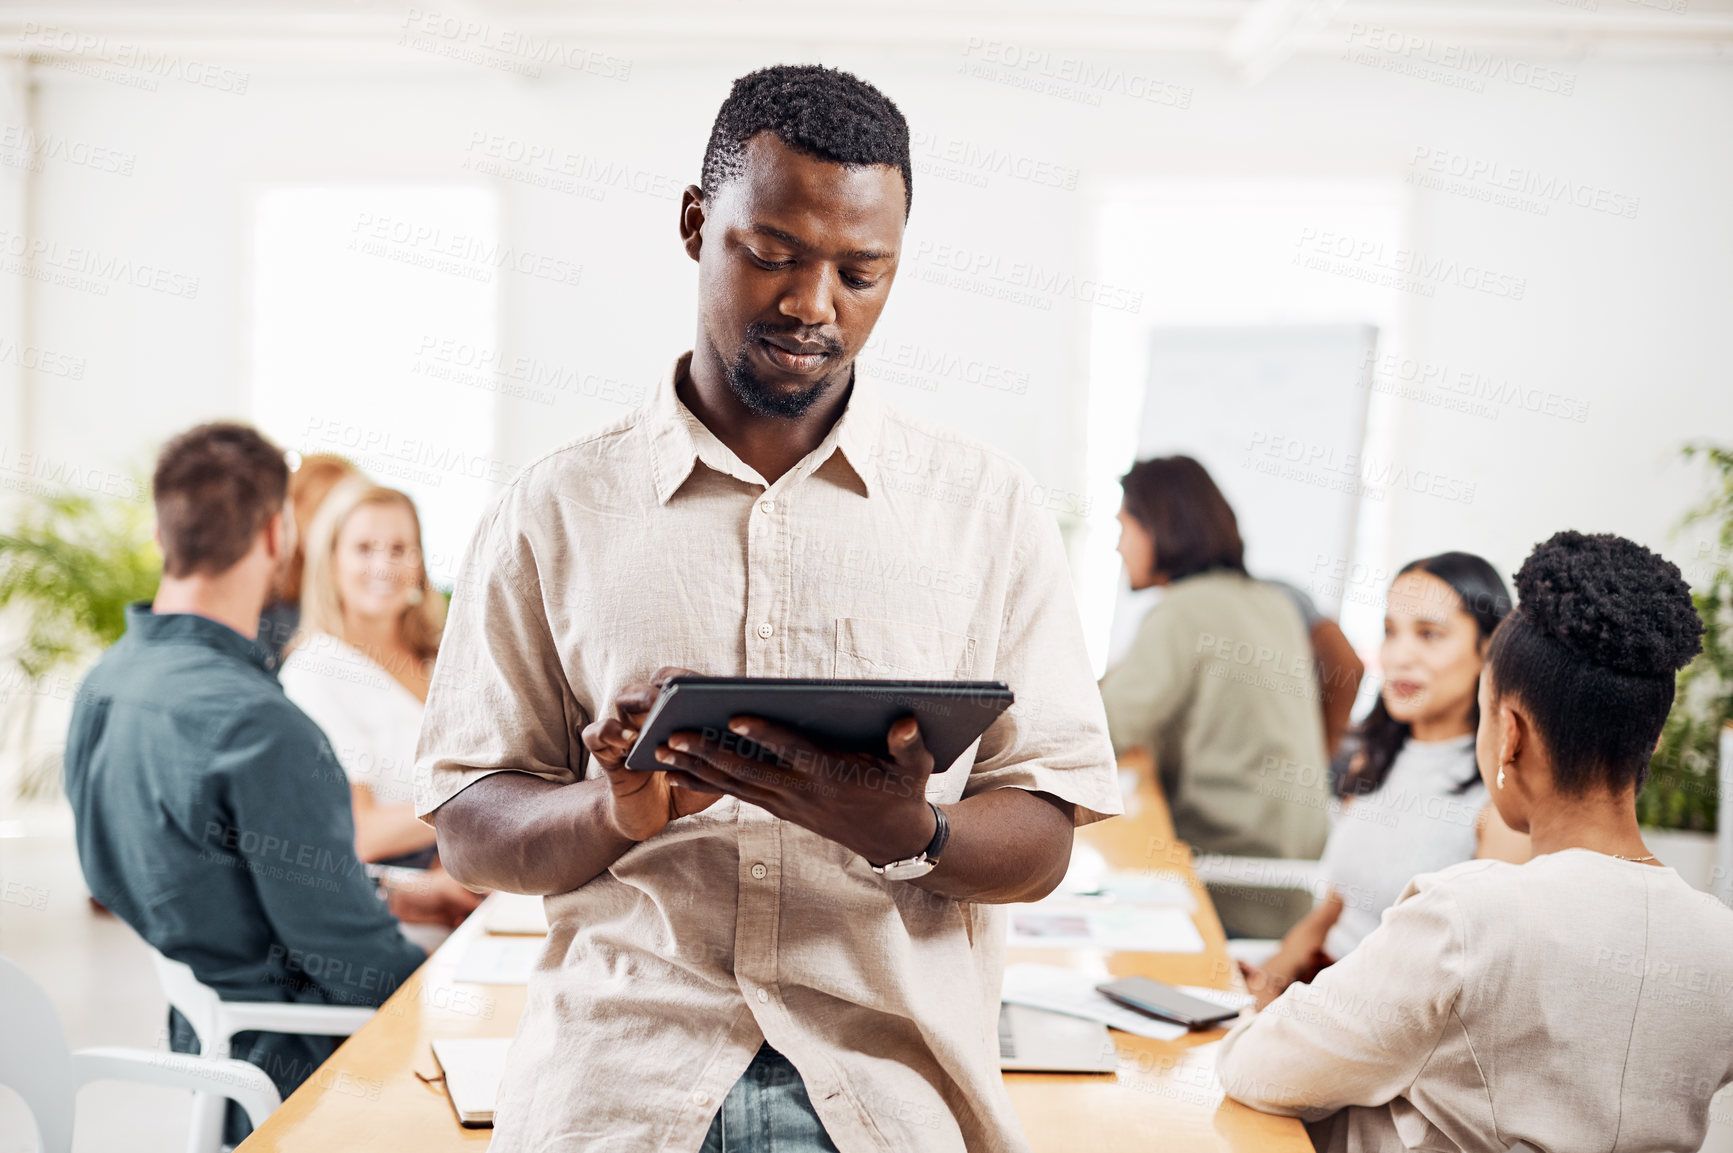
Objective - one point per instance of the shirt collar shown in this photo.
(192, 629)
(679, 439)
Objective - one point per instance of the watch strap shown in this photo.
(941, 835)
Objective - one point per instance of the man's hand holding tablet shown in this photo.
(640, 804)
(850, 785)
(874, 805)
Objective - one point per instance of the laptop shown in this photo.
(1034, 1040)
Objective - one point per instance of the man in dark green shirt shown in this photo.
(212, 815)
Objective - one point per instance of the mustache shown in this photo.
(758, 330)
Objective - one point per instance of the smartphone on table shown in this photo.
(1166, 1002)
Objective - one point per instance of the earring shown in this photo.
(415, 594)
(1501, 776)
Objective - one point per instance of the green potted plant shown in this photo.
(1679, 802)
(71, 565)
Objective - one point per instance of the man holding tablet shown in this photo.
(767, 941)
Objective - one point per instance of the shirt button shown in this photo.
(764, 630)
(701, 1099)
(766, 506)
(763, 997)
(758, 872)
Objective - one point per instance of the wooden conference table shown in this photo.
(1165, 1094)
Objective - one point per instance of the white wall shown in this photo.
(1627, 316)
(15, 113)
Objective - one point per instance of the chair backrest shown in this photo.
(197, 1002)
(34, 1059)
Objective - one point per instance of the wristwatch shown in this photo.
(928, 860)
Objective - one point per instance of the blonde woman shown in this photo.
(359, 666)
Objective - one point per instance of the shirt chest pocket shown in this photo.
(898, 650)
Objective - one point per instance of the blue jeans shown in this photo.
(767, 1111)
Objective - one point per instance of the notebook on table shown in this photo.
(514, 914)
(472, 1067)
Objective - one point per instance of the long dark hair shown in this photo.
(1482, 594)
(1187, 516)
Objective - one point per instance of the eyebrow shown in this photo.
(794, 241)
(1425, 620)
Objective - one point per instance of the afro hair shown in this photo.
(1612, 602)
(1601, 626)
(821, 112)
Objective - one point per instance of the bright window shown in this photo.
(368, 303)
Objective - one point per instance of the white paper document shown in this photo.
(1156, 887)
(1092, 923)
(499, 960)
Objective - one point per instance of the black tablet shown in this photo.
(848, 716)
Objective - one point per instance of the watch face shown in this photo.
(909, 870)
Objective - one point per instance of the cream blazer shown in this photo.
(1574, 1003)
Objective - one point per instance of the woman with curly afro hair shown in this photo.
(1583, 1000)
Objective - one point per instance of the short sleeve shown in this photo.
(1361, 1033)
(1145, 690)
(1053, 740)
(499, 698)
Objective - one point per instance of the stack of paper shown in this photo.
(1097, 907)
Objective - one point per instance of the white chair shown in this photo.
(35, 1062)
(1259, 872)
(216, 1022)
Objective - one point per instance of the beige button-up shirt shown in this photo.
(895, 549)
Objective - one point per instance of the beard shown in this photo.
(769, 400)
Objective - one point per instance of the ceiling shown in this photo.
(1253, 36)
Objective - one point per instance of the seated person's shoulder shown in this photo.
(177, 680)
(1706, 912)
(1300, 599)
(1476, 880)
(273, 729)
(1470, 890)
(1225, 605)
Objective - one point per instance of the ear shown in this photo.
(692, 220)
(1514, 736)
(276, 536)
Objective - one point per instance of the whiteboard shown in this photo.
(1277, 414)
